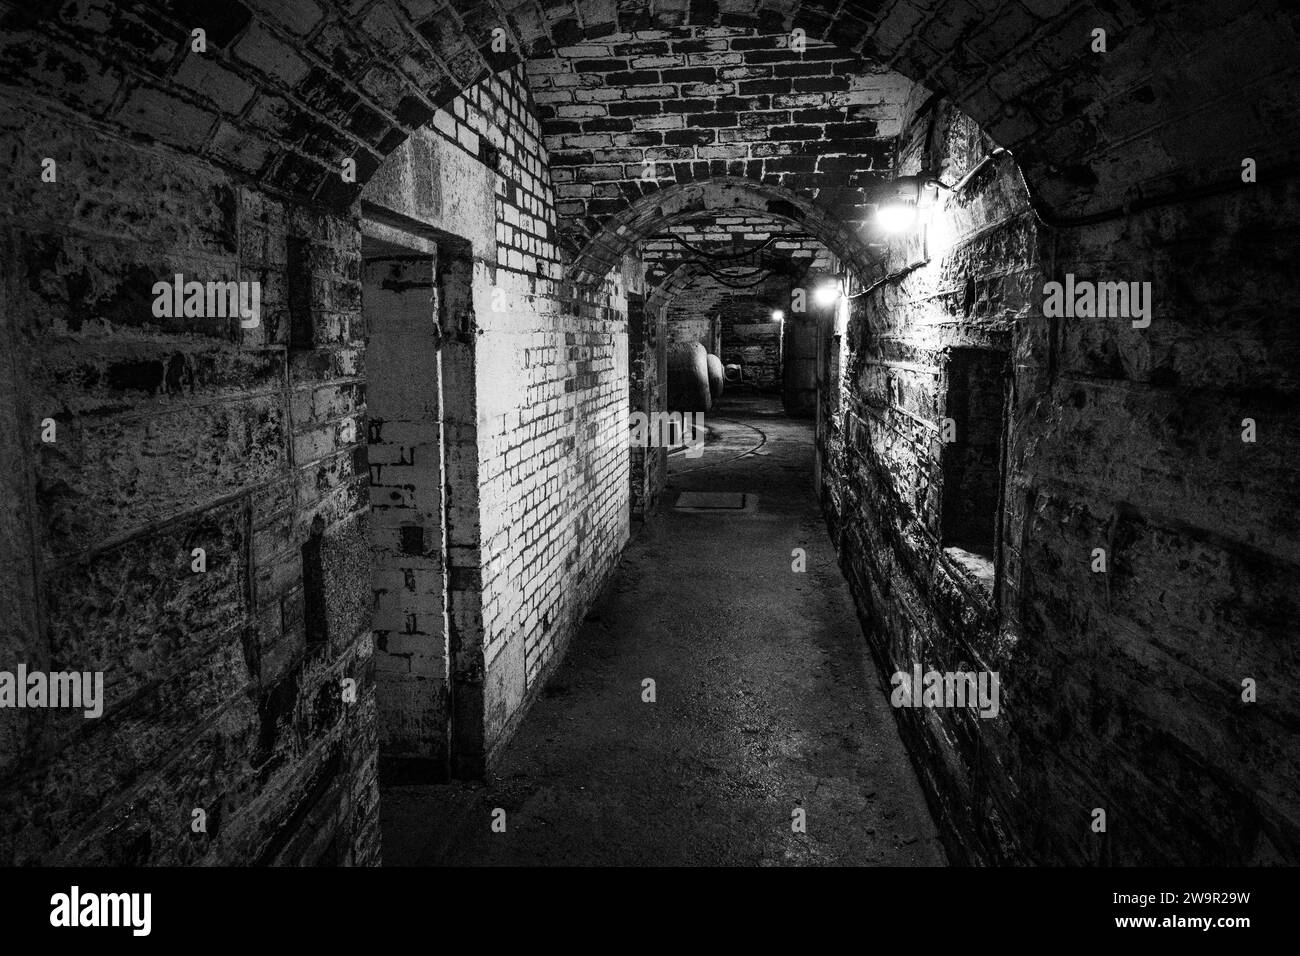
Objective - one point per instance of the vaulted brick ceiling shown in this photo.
(293, 86)
(623, 117)
(709, 200)
(685, 258)
(693, 286)
(732, 242)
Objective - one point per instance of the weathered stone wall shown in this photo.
(1131, 440)
(223, 687)
(1120, 690)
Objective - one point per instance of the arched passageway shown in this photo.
(976, 445)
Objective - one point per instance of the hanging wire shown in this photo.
(741, 284)
(722, 255)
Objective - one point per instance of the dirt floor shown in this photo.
(766, 700)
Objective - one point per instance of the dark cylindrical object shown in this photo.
(715, 377)
(688, 378)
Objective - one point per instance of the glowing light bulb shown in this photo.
(896, 216)
(828, 293)
(778, 315)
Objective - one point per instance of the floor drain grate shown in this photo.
(713, 501)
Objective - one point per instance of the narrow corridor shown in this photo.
(333, 335)
(766, 700)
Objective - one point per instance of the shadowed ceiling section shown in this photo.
(288, 91)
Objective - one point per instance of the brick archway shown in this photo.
(722, 195)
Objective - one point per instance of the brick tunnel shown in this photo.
(325, 329)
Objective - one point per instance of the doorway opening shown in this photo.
(423, 463)
(978, 388)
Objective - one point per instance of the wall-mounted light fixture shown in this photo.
(778, 315)
(909, 199)
(906, 201)
(829, 292)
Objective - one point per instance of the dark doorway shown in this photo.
(972, 430)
